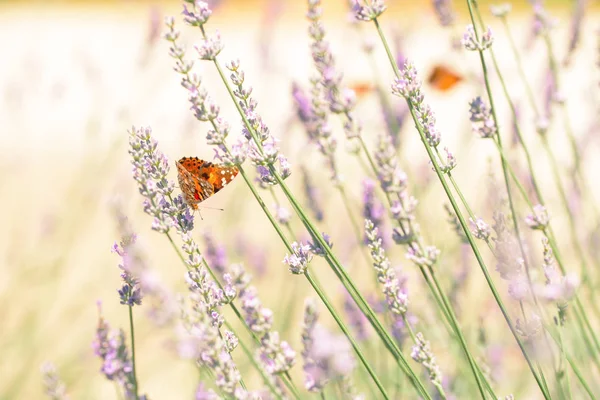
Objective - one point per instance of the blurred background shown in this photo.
(75, 76)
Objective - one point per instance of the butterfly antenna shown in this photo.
(213, 208)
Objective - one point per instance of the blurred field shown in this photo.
(75, 78)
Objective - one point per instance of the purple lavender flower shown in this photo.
(373, 209)
(276, 355)
(558, 289)
(539, 219)
(444, 10)
(326, 357)
(210, 47)
(299, 259)
(198, 14)
(340, 100)
(302, 103)
(203, 342)
(472, 43)
(575, 30)
(421, 353)
(481, 118)
(397, 299)
(150, 169)
(480, 229)
(116, 363)
(205, 394)
(215, 254)
(54, 388)
(391, 178)
(315, 246)
(368, 11)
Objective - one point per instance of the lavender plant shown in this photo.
(244, 348)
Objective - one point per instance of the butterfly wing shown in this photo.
(199, 179)
(443, 78)
(218, 176)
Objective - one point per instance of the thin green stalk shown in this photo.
(250, 357)
(564, 357)
(346, 332)
(464, 224)
(135, 380)
(332, 260)
(498, 140)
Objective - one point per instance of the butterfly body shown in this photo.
(199, 179)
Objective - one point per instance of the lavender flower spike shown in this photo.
(539, 219)
(396, 298)
(481, 118)
(150, 169)
(326, 357)
(421, 353)
(276, 355)
(298, 261)
(369, 11)
(116, 363)
(54, 388)
(470, 41)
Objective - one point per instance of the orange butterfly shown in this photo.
(443, 78)
(199, 179)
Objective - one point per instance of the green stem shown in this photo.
(135, 380)
(346, 332)
(464, 225)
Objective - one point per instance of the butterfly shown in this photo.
(443, 78)
(199, 179)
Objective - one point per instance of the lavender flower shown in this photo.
(575, 30)
(210, 47)
(558, 289)
(408, 86)
(276, 355)
(340, 100)
(203, 342)
(215, 254)
(302, 104)
(444, 11)
(54, 388)
(205, 394)
(455, 224)
(391, 178)
(539, 219)
(132, 264)
(139, 281)
(369, 11)
(263, 150)
(543, 22)
(372, 208)
(481, 118)
(150, 169)
(116, 363)
(317, 249)
(421, 353)
(530, 328)
(397, 299)
(326, 357)
(480, 229)
(298, 261)
(198, 14)
(472, 43)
